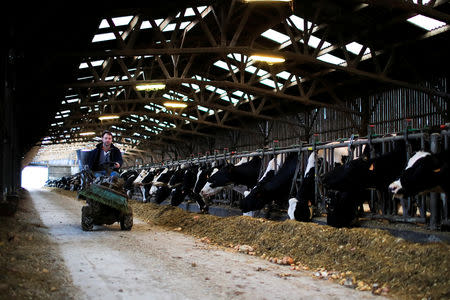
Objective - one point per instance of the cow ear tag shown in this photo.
(437, 170)
(371, 167)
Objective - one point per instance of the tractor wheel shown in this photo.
(87, 222)
(126, 222)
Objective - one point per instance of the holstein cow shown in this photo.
(129, 176)
(160, 190)
(242, 176)
(180, 192)
(144, 181)
(273, 186)
(299, 206)
(425, 172)
(348, 184)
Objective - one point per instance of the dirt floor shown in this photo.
(29, 262)
(233, 257)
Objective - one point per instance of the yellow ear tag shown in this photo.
(371, 167)
(437, 170)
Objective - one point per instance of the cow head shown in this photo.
(421, 174)
(218, 180)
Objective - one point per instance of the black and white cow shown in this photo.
(143, 181)
(348, 185)
(274, 185)
(425, 172)
(242, 176)
(129, 176)
(300, 205)
(160, 189)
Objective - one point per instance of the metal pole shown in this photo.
(435, 206)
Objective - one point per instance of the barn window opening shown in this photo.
(426, 23)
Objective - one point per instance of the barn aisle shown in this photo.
(151, 263)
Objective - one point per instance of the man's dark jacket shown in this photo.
(94, 156)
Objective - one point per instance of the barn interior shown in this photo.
(187, 79)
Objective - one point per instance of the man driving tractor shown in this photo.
(104, 153)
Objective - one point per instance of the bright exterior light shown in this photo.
(87, 133)
(150, 86)
(108, 117)
(175, 104)
(268, 59)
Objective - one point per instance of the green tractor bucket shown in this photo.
(107, 196)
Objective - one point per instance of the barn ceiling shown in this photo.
(76, 65)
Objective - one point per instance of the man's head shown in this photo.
(107, 138)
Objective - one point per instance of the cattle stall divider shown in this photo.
(382, 205)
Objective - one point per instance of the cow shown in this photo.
(180, 192)
(274, 185)
(349, 184)
(242, 176)
(425, 172)
(160, 190)
(300, 205)
(144, 181)
(129, 176)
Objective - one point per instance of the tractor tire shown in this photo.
(126, 222)
(87, 222)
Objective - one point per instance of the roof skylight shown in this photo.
(355, 48)
(104, 37)
(299, 22)
(119, 21)
(426, 22)
(275, 36)
(94, 63)
(224, 65)
(331, 59)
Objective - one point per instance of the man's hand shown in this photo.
(116, 165)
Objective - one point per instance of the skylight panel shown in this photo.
(104, 37)
(94, 63)
(315, 41)
(172, 26)
(119, 21)
(285, 75)
(426, 22)
(73, 100)
(215, 89)
(190, 11)
(252, 69)
(331, 59)
(238, 56)
(270, 82)
(355, 48)
(224, 65)
(299, 22)
(275, 36)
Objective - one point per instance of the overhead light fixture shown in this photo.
(150, 86)
(268, 59)
(175, 104)
(108, 117)
(87, 133)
